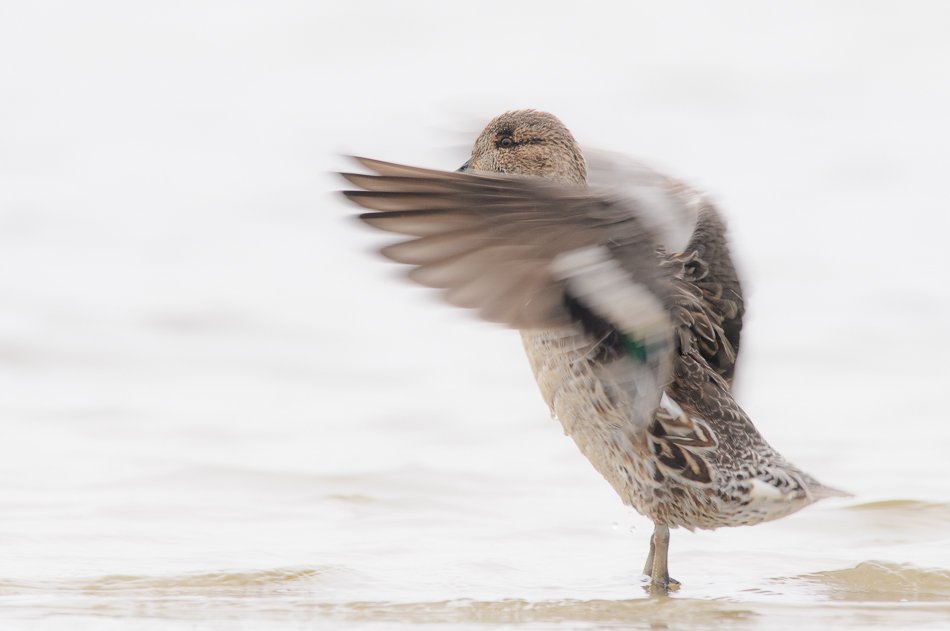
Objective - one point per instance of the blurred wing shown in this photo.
(708, 300)
(664, 210)
(533, 254)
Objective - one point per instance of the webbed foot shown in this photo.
(656, 566)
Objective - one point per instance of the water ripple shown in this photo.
(880, 581)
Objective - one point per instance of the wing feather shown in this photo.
(535, 254)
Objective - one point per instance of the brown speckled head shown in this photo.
(527, 142)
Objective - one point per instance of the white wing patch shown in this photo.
(672, 407)
(598, 281)
(671, 218)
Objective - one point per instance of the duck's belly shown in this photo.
(607, 435)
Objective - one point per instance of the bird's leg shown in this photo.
(659, 572)
(661, 546)
(648, 567)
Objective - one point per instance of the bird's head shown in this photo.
(528, 142)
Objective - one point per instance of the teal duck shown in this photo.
(621, 283)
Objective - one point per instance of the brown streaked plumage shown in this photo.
(630, 310)
(541, 147)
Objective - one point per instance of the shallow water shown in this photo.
(218, 411)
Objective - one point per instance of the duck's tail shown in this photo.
(819, 491)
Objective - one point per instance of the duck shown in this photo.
(630, 309)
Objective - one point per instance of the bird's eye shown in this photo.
(506, 142)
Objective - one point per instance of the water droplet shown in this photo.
(633, 528)
(615, 525)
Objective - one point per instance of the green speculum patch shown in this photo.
(639, 349)
(635, 348)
